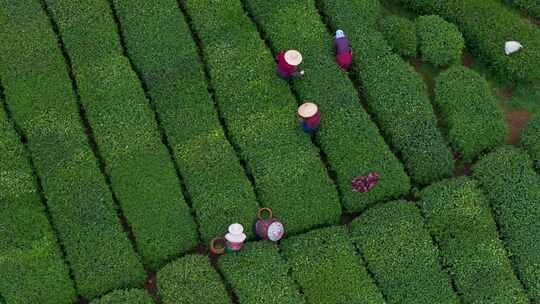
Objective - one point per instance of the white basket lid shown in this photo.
(293, 57)
(307, 110)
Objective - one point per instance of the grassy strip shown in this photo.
(260, 114)
(131, 296)
(399, 251)
(396, 95)
(325, 265)
(258, 274)
(347, 136)
(469, 111)
(142, 174)
(532, 7)
(459, 217)
(41, 99)
(30, 261)
(513, 188)
(486, 26)
(160, 44)
(530, 139)
(191, 280)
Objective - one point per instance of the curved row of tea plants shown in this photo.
(128, 296)
(469, 112)
(161, 46)
(325, 265)
(459, 217)
(347, 136)
(486, 26)
(400, 253)
(513, 189)
(532, 7)
(396, 95)
(260, 112)
(30, 261)
(140, 169)
(39, 94)
(530, 140)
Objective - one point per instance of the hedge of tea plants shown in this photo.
(459, 217)
(513, 189)
(259, 274)
(259, 111)
(160, 44)
(469, 112)
(439, 42)
(327, 268)
(531, 7)
(191, 280)
(128, 296)
(141, 172)
(396, 95)
(347, 136)
(32, 267)
(39, 94)
(401, 254)
(530, 140)
(486, 26)
(400, 33)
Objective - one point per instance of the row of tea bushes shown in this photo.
(160, 44)
(401, 255)
(141, 172)
(531, 7)
(459, 217)
(39, 94)
(486, 26)
(530, 140)
(347, 136)
(396, 95)
(513, 189)
(127, 296)
(469, 112)
(259, 111)
(32, 267)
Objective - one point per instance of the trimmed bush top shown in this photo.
(128, 296)
(400, 33)
(440, 42)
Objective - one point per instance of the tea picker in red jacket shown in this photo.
(343, 50)
(287, 64)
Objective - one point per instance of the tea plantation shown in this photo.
(134, 132)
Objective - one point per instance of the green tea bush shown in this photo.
(191, 280)
(469, 112)
(30, 261)
(401, 35)
(395, 94)
(39, 94)
(259, 111)
(530, 140)
(325, 265)
(141, 172)
(531, 7)
(131, 296)
(440, 42)
(486, 26)
(513, 189)
(161, 46)
(350, 140)
(401, 255)
(258, 274)
(459, 217)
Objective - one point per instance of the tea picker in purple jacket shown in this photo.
(309, 117)
(343, 50)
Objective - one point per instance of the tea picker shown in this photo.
(365, 183)
(233, 240)
(269, 228)
(343, 50)
(287, 64)
(309, 117)
(511, 47)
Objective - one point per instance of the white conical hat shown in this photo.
(512, 47)
(307, 110)
(236, 233)
(293, 57)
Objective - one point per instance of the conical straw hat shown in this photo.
(293, 57)
(307, 110)
(236, 233)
